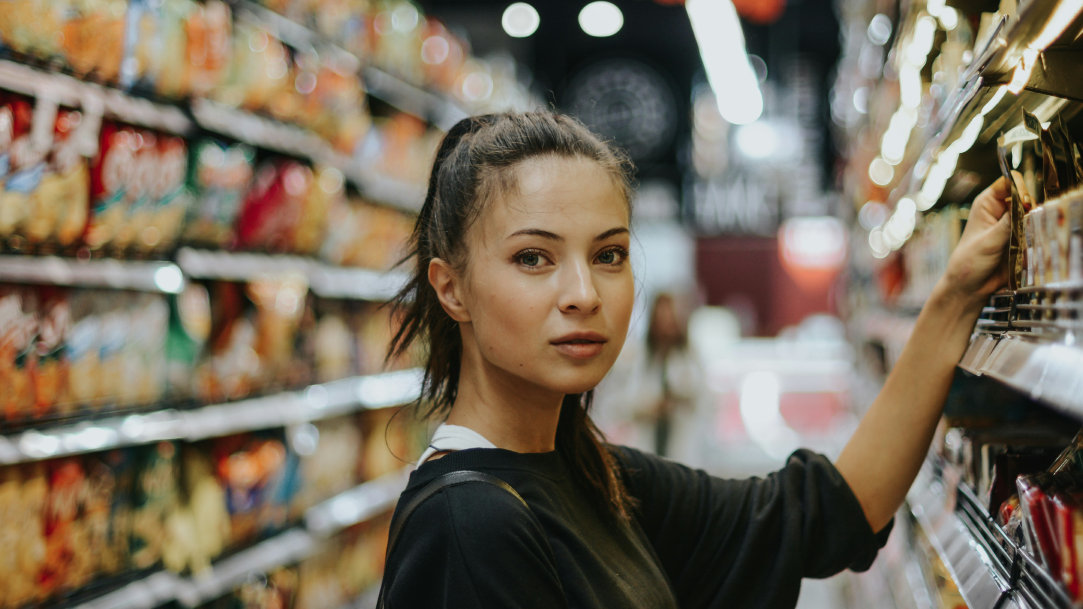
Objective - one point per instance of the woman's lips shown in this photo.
(580, 346)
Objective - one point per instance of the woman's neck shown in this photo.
(507, 415)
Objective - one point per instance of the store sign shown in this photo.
(735, 205)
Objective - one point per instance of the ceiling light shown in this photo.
(601, 19)
(722, 48)
(520, 20)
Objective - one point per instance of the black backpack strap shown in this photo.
(447, 480)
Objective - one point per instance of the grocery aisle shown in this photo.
(203, 203)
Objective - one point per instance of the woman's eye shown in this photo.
(612, 256)
(529, 258)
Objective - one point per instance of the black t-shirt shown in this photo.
(694, 540)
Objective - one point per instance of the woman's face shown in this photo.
(548, 285)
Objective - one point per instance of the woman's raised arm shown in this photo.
(882, 458)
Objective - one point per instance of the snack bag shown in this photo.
(112, 341)
(83, 349)
(170, 199)
(18, 339)
(154, 496)
(230, 366)
(32, 27)
(112, 184)
(199, 529)
(29, 550)
(250, 467)
(189, 330)
(108, 508)
(218, 177)
(59, 205)
(23, 166)
(50, 373)
(145, 360)
(273, 206)
(279, 307)
(92, 38)
(63, 504)
(207, 32)
(327, 190)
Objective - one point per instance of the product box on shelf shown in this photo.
(154, 495)
(18, 353)
(360, 233)
(258, 476)
(218, 177)
(253, 343)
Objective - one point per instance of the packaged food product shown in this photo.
(154, 496)
(219, 175)
(199, 528)
(363, 234)
(113, 185)
(273, 206)
(113, 342)
(21, 174)
(330, 464)
(60, 204)
(144, 375)
(168, 199)
(189, 330)
(92, 38)
(279, 308)
(230, 366)
(327, 189)
(335, 342)
(18, 353)
(62, 569)
(1038, 525)
(1075, 237)
(50, 372)
(250, 467)
(259, 69)
(108, 508)
(10, 534)
(208, 32)
(30, 549)
(31, 27)
(83, 350)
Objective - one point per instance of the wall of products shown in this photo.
(937, 99)
(201, 205)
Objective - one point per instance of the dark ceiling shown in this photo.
(654, 34)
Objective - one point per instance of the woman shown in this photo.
(523, 294)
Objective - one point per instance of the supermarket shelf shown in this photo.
(1044, 370)
(153, 591)
(351, 507)
(314, 403)
(980, 580)
(356, 505)
(411, 99)
(987, 566)
(258, 130)
(68, 91)
(284, 549)
(295, 34)
(163, 277)
(325, 280)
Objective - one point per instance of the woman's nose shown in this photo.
(577, 291)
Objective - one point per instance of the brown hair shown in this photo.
(473, 164)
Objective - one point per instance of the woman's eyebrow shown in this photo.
(537, 232)
(611, 233)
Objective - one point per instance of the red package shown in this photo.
(1065, 510)
(273, 206)
(67, 481)
(111, 179)
(1038, 521)
(21, 174)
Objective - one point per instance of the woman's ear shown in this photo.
(447, 285)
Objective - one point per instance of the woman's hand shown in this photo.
(979, 265)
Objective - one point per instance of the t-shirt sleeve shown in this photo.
(472, 545)
(747, 543)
